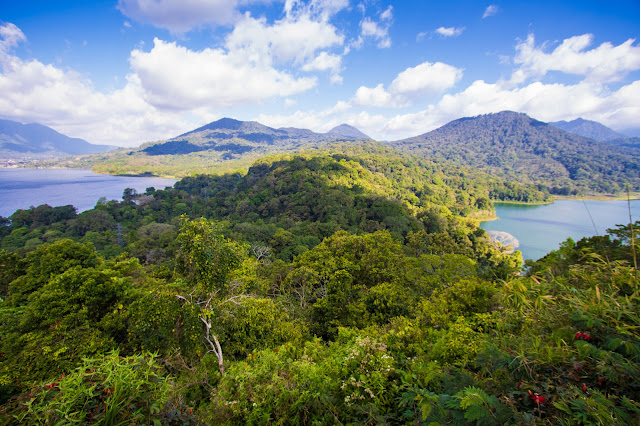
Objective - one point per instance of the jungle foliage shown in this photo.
(315, 289)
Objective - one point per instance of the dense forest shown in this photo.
(350, 288)
(519, 148)
(509, 145)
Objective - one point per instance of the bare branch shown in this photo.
(233, 299)
(215, 348)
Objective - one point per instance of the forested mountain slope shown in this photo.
(221, 146)
(344, 287)
(519, 148)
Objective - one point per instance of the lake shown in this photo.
(23, 188)
(541, 229)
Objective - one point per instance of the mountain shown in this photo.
(518, 147)
(347, 131)
(588, 129)
(19, 141)
(233, 138)
(221, 146)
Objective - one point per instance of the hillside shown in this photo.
(517, 147)
(315, 289)
(588, 129)
(20, 141)
(221, 146)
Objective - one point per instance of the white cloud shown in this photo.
(546, 102)
(179, 16)
(426, 77)
(174, 77)
(605, 63)
(167, 84)
(490, 11)
(37, 92)
(410, 85)
(12, 36)
(377, 30)
(590, 98)
(450, 31)
(326, 61)
(421, 35)
(376, 97)
(289, 40)
(323, 9)
(387, 15)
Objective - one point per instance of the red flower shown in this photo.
(538, 399)
(583, 336)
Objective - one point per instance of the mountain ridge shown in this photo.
(34, 140)
(589, 129)
(527, 150)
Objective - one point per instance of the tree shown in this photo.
(206, 259)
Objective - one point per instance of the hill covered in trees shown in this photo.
(507, 144)
(519, 148)
(350, 287)
(221, 146)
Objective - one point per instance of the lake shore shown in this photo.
(541, 229)
(632, 196)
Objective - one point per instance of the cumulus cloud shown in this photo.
(449, 31)
(605, 63)
(376, 97)
(289, 40)
(426, 77)
(410, 85)
(33, 91)
(490, 11)
(171, 82)
(324, 61)
(546, 102)
(180, 16)
(174, 77)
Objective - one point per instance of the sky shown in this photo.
(124, 72)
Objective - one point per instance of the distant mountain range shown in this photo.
(518, 147)
(589, 129)
(233, 137)
(20, 141)
(509, 145)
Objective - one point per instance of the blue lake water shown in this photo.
(23, 188)
(540, 229)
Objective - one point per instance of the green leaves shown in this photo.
(109, 390)
(206, 259)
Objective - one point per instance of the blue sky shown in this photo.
(123, 72)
